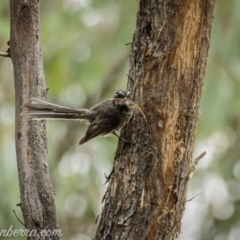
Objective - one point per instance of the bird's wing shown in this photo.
(99, 127)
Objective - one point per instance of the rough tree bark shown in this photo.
(37, 202)
(147, 190)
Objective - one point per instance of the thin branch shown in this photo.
(97, 218)
(195, 162)
(190, 199)
(18, 218)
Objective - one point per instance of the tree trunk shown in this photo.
(147, 190)
(37, 202)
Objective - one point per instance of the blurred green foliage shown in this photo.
(85, 56)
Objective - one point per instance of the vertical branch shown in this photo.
(146, 195)
(37, 202)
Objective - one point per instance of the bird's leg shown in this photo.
(120, 137)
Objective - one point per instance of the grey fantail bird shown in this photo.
(105, 117)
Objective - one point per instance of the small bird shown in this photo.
(105, 117)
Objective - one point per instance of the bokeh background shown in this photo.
(85, 50)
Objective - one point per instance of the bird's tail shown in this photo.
(42, 109)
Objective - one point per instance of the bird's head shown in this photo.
(122, 94)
